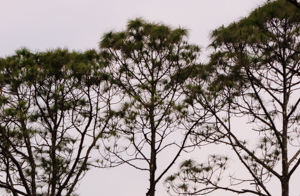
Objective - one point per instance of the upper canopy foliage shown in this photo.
(149, 62)
(258, 25)
(140, 32)
(264, 36)
(53, 109)
(253, 74)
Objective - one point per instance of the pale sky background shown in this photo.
(78, 25)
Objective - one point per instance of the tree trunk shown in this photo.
(284, 186)
(285, 166)
(151, 191)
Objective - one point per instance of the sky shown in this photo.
(78, 25)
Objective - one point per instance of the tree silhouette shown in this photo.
(254, 75)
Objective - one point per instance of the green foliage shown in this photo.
(50, 119)
(192, 175)
(148, 62)
(253, 75)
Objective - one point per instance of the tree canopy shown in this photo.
(146, 62)
(254, 76)
(53, 109)
(295, 3)
(144, 98)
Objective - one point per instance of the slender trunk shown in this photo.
(285, 187)
(151, 191)
(53, 148)
(54, 164)
(285, 166)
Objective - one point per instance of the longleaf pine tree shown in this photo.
(254, 76)
(146, 61)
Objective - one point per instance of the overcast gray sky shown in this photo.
(42, 24)
(79, 25)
